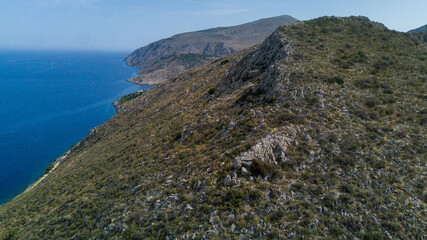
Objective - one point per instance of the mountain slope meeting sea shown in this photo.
(168, 57)
(50, 100)
(319, 132)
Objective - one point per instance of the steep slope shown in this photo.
(319, 132)
(168, 57)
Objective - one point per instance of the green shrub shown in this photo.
(277, 215)
(212, 91)
(131, 96)
(225, 61)
(371, 102)
(49, 168)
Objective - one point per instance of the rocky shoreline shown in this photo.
(140, 80)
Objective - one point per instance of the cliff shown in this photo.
(318, 132)
(169, 57)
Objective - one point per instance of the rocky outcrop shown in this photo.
(270, 149)
(118, 105)
(261, 64)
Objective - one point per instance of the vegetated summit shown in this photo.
(319, 132)
(169, 57)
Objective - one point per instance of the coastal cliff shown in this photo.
(166, 58)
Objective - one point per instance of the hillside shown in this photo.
(420, 29)
(420, 34)
(319, 132)
(168, 57)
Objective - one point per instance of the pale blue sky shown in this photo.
(123, 25)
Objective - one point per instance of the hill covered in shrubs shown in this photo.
(318, 132)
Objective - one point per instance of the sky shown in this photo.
(124, 25)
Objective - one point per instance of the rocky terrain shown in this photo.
(169, 57)
(317, 133)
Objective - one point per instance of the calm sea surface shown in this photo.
(48, 102)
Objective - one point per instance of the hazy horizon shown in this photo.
(113, 25)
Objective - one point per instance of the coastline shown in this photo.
(117, 105)
(152, 78)
(58, 161)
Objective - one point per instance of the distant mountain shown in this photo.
(168, 57)
(420, 34)
(420, 29)
(317, 133)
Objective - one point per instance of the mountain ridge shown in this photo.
(168, 57)
(419, 29)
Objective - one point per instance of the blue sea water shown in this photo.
(48, 102)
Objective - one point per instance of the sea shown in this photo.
(49, 101)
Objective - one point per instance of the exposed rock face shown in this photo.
(261, 64)
(168, 57)
(118, 105)
(270, 149)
